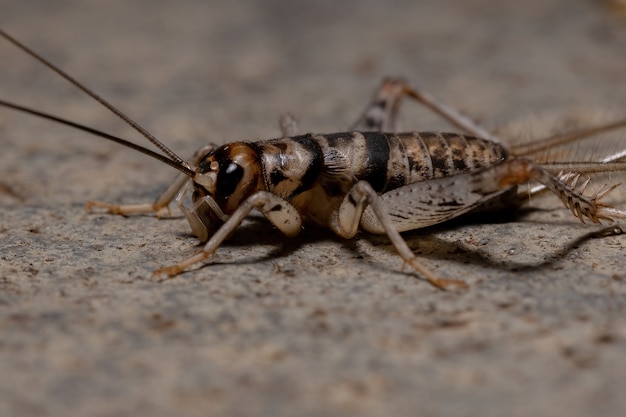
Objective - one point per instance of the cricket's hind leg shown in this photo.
(430, 202)
(346, 220)
(610, 162)
(381, 114)
(584, 207)
(288, 125)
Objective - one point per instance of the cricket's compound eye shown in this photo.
(229, 174)
(228, 178)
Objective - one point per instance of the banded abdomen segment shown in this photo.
(388, 161)
(433, 155)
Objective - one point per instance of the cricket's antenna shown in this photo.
(99, 99)
(174, 164)
(540, 145)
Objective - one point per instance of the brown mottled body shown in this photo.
(372, 178)
(315, 172)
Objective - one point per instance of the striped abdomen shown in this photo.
(387, 161)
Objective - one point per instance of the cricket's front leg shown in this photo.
(161, 206)
(277, 210)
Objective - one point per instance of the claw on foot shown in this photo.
(166, 272)
(127, 209)
(164, 212)
(171, 271)
(446, 284)
(110, 208)
(443, 284)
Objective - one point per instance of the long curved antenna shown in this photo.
(540, 145)
(174, 164)
(584, 167)
(99, 99)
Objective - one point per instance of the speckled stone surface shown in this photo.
(311, 326)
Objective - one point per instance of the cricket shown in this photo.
(372, 177)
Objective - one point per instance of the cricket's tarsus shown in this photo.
(372, 177)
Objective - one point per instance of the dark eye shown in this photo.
(228, 178)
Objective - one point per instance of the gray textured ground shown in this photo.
(312, 326)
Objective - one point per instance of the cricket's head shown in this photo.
(224, 178)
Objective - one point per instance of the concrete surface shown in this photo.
(312, 326)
